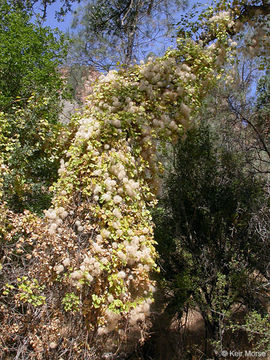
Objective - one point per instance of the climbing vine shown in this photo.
(98, 236)
(93, 253)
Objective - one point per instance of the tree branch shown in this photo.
(252, 126)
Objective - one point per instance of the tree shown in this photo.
(240, 116)
(209, 245)
(31, 89)
(260, 124)
(30, 55)
(99, 278)
(89, 261)
(120, 31)
(43, 6)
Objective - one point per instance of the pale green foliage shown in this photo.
(94, 251)
(26, 291)
(71, 302)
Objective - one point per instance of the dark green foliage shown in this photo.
(29, 56)
(263, 92)
(209, 243)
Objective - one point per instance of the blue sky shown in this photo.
(51, 20)
(66, 23)
(158, 46)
